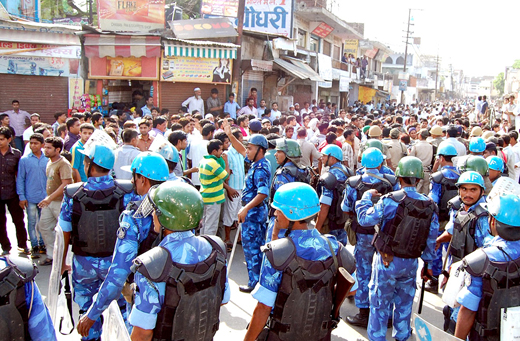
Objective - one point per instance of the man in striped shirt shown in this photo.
(212, 173)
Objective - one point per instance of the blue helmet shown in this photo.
(150, 165)
(258, 140)
(471, 177)
(372, 158)
(505, 208)
(446, 149)
(101, 156)
(333, 150)
(169, 152)
(297, 201)
(477, 145)
(495, 163)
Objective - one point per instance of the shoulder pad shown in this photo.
(455, 203)
(354, 181)
(280, 252)
(187, 180)
(153, 264)
(328, 180)
(217, 243)
(397, 196)
(391, 178)
(476, 262)
(71, 189)
(437, 177)
(125, 185)
(25, 266)
(346, 259)
(480, 211)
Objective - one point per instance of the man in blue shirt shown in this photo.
(253, 214)
(491, 280)
(148, 169)
(372, 160)
(184, 258)
(306, 255)
(93, 243)
(396, 217)
(78, 171)
(31, 185)
(231, 107)
(39, 325)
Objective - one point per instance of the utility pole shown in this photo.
(406, 50)
(237, 69)
(436, 76)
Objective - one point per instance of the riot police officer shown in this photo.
(383, 148)
(331, 186)
(478, 164)
(496, 168)
(171, 155)
(443, 188)
(296, 270)
(184, 276)
(90, 216)
(406, 225)
(23, 315)
(133, 236)
(372, 161)
(492, 274)
(287, 155)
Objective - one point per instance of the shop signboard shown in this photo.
(76, 90)
(323, 30)
(196, 70)
(325, 66)
(403, 84)
(221, 8)
(144, 68)
(131, 16)
(273, 16)
(344, 83)
(203, 28)
(35, 66)
(366, 94)
(351, 47)
(39, 50)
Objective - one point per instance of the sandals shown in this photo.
(229, 245)
(47, 261)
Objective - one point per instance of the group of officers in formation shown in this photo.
(137, 243)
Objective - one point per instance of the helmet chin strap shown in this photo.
(256, 154)
(289, 229)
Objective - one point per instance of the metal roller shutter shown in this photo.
(173, 94)
(252, 79)
(44, 95)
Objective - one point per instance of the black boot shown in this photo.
(432, 286)
(361, 319)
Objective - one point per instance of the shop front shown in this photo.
(190, 64)
(40, 65)
(119, 66)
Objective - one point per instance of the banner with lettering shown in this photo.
(35, 66)
(221, 8)
(196, 70)
(131, 15)
(269, 16)
(39, 50)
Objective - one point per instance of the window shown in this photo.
(400, 61)
(301, 38)
(315, 44)
(389, 60)
(327, 48)
(337, 52)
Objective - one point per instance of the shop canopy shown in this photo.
(298, 69)
(36, 37)
(199, 49)
(97, 45)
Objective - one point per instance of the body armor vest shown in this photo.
(287, 171)
(14, 313)
(95, 218)
(361, 187)
(448, 191)
(337, 218)
(463, 239)
(406, 234)
(500, 289)
(304, 302)
(193, 294)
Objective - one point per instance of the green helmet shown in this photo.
(474, 163)
(289, 147)
(374, 144)
(410, 167)
(178, 206)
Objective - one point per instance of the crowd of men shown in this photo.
(397, 182)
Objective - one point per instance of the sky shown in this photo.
(476, 36)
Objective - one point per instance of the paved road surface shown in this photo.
(236, 314)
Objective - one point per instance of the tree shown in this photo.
(516, 64)
(499, 83)
(190, 8)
